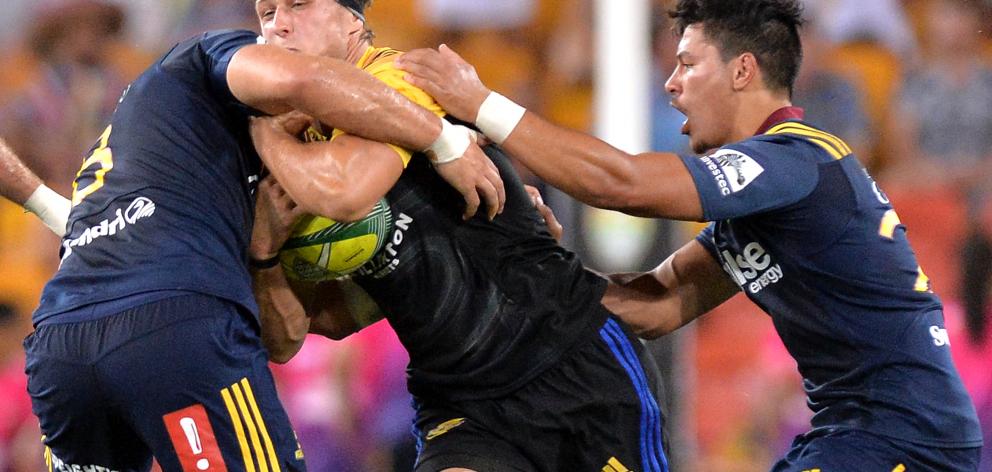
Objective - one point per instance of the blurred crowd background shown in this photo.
(907, 83)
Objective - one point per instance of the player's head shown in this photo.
(729, 52)
(320, 27)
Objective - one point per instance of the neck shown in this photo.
(356, 51)
(755, 108)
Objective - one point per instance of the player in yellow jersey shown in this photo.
(515, 365)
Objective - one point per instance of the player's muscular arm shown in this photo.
(650, 184)
(276, 80)
(340, 308)
(341, 96)
(686, 285)
(340, 179)
(281, 313)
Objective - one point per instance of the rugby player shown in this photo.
(515, 365)
(147, 338)
(798, 225)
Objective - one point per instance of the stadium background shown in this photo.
(908, 83)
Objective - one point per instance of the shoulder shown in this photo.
(801, 139)
(380, 62)
(217, 46)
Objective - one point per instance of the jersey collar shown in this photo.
(780, 115)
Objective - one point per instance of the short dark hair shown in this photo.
(769, 29)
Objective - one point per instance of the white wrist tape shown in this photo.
(51, 208)
(498, 116)
(450, 145)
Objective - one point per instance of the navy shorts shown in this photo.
(593, 411)
(185, 379)
(855, 450)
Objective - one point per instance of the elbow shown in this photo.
(283, 352)
(338, 205)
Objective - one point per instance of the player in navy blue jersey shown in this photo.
(798, 225)
(147, 338)
(515, 365)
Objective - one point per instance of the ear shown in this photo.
(745, 70)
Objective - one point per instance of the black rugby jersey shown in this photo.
(164, 200)
(482, 307)
(810, 237)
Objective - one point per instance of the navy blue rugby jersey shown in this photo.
(810, 237)
(165, 198)
(482, 307)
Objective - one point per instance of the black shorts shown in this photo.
(593, 411)
(185, 379)
(850, 450)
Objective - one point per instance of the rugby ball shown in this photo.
(322, 249)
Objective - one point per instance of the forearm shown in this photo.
(17, 182)
(282, 315)
(685, 286)
(598, 174)
(650, 308)
(337, 93)
(350, 99)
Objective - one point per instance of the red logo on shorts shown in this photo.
(194, 441)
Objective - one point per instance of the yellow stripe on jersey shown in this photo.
(379, 63)
(246, 415)
(832, 144)
(239, 430)
(887, 229)
(261, 425)
(834, 140)
(614, 465)
(899, 468)
(922, 281)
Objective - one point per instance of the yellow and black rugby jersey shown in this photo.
(164, 200)
(379, 63)
(482, 307)
(810, 237)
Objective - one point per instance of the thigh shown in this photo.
(200, 394)
(594, 410)
(862, 451)
(81, 430)
(449, 440)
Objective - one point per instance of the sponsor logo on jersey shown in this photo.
(138, 209)
(58, 465)
(752, 269)
(445, 427)
(614, 465)
(732, 170)
(193, 440)
(940, 337)
(387, 260)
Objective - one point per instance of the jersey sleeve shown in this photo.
(705, 237)
(218, 49)
(752, 177)
(384, 70)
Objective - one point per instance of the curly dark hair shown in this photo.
(769, 29)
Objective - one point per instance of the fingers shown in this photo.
(492, 175)
(472, 202)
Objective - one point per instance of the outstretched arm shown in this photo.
(588, 169)
(20, 185)
(686, 285)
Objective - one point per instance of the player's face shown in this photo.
(317, 27)
(702, 89)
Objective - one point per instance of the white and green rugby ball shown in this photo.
(322, 249)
